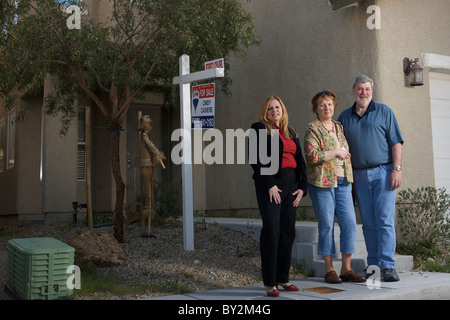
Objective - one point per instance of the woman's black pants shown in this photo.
(278, 231)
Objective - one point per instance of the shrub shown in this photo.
(423, 220)
(167, 201)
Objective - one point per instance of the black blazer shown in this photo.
(268, 181)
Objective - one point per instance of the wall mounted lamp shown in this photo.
(412, 66)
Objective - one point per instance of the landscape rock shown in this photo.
(130, 214)
(96, 249)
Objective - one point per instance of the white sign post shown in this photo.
(184, 80)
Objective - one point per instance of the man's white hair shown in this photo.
(362, 79)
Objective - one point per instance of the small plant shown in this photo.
(301, 270)
(302, 215)
(423, 219)
(167, 201)
(245, 249)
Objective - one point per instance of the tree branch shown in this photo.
(77, 74)
(130, 97)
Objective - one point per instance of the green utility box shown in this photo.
(37, 268)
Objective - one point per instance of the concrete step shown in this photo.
(317, 266)
(308, 232)
(308, 250)
(306, 256)
(305, 231)
(304, 250)
(305, 253)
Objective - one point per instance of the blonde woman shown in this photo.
(278, 194)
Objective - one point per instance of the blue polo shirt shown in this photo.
(371, 136)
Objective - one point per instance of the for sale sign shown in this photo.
(219, 63)
(203, 106)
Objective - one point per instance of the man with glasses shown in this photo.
(375, 143)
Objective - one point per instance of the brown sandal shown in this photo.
(352, 276)
(332, 277)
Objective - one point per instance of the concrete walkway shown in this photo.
(412, 285)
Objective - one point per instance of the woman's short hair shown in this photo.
(326, 94)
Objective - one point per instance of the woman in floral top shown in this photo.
(329, 173)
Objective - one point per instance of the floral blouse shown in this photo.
(319, 172)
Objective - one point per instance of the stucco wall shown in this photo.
(307, 47)
(410, 28)
(59, 163)
(8, 179)
(28, 162)
(20, 185)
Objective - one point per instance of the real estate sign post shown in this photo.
(184, 80)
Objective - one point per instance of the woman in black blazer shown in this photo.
(278, 194)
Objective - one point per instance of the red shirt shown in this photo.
(289, 151)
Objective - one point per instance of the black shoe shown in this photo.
(389, 275)
(367, 274)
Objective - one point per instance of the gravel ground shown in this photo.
(222, 259)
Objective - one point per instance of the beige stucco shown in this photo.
(410, 29)
(306, 47)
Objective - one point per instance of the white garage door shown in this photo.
(440, 115)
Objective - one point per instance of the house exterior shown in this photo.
(307, 46)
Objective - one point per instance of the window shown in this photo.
(2, 144)
(10, 152)
(81, 154)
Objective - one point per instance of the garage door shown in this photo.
(440, 115)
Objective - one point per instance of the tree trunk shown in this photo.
(120, 186)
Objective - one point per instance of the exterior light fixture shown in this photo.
(412, 66)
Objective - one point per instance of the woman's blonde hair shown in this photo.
(284, 121)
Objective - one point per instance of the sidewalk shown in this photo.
(412, 286)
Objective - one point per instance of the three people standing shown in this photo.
(363, 147)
